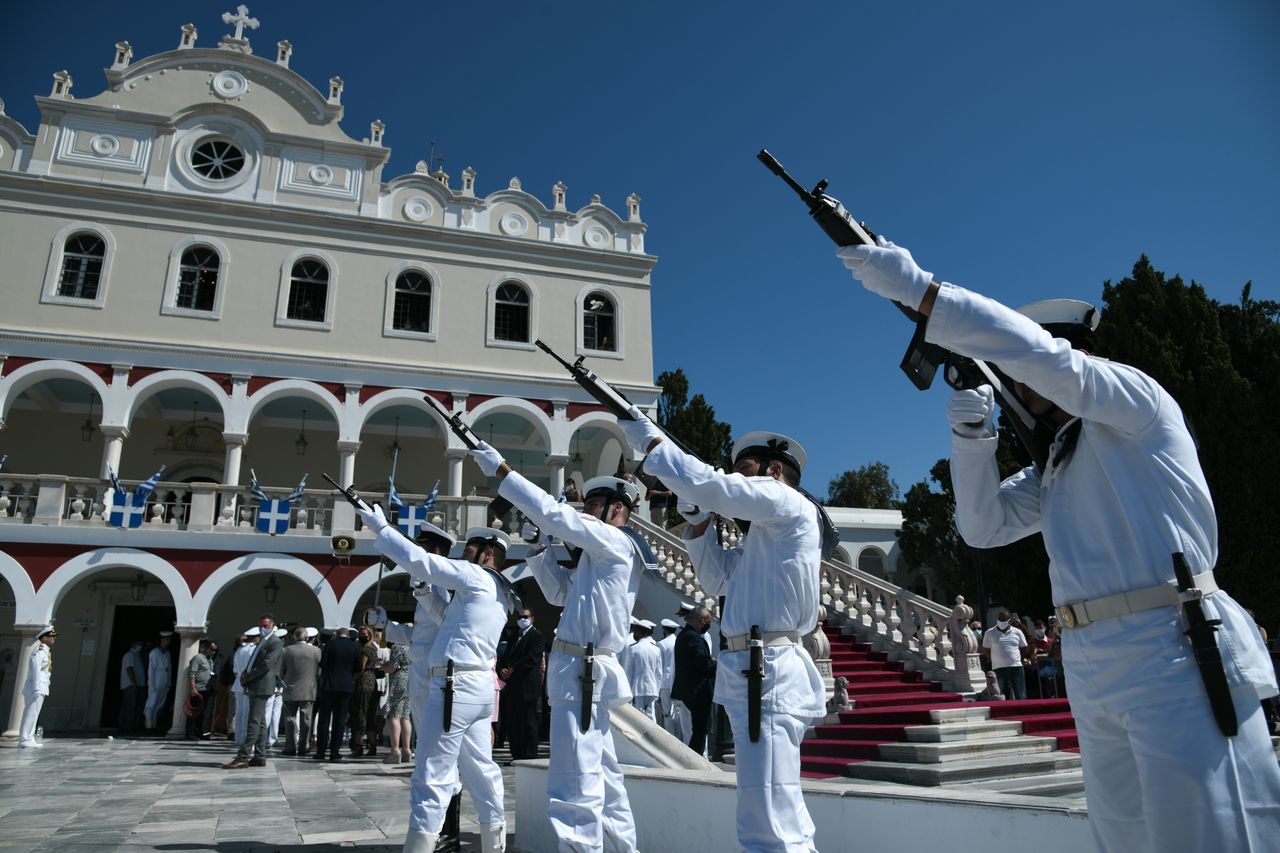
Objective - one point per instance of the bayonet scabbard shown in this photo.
(448, 695)
(755, 682)
(588, 685)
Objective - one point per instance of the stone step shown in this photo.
(967, 750)
(857, 677)
(1065, 783)
(963, 731)
(915, 715)
(959, 772)
(906, 697)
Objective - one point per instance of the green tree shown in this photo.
(693, 420)
(869, 487)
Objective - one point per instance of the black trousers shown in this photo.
(700, 711)
(522, 727)
(333, 709)
(131, 702)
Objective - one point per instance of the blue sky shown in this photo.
(1026, 150)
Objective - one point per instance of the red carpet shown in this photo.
(887, 700)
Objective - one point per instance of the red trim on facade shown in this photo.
(573, 410)
(474, 400)
(369, 391)
(138, 373)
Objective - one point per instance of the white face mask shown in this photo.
(1040, 633)
(524, 624)
(1002, 624)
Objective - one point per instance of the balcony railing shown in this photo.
(207, 507)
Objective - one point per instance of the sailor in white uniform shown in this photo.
(643, 665)
(275, 704)
(468, 639)
(668, 647)
(240, 663)
(589, 808)
(159, 678)
(36, 687)
(770, 581)
(1122, 491)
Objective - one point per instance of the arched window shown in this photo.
(412, 311)
(511, 313)
(198, 279)
(308, 291)
(82, 257)
(598, 327)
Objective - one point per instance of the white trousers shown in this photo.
(680, 721)
(589, 808)
(240, 723)
(274, 706)
(465, 753)
(772, 816)
(647, 705)
(1162, 777)
(155, 702)
(30, 714)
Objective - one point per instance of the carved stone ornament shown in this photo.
(320, 174)
(596, 237)
(963, 640)
(417, 209)
(229, 84)
(104, 145)
(513, 224)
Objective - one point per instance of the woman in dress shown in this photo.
(397, 669)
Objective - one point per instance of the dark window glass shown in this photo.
(412, 309)
(198, 278)
(598, 331)
(82, 257)
(511, 313)
(308, 290)
(217, 159)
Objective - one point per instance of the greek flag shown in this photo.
(274, 516)
(430, 503)
(125, 509)
(410, 518)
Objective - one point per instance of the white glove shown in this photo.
(970, 412)
(373, 519)
(888, 270)
(691, 513)
(376, 617)
(487, 458)
(640, 431)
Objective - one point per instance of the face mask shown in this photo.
(523, 623)
(1040, 633)
(1002, 624)
(138, 647)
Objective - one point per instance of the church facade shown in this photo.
(206, 278)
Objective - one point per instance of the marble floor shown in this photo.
(82, 795)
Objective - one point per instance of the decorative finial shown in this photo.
(124, 52)
(375, 132)
(633, 208)
(469, 181)
(61, 84)
(188, 37)
(595, 199)
(514, 184)
(421, 168)
(557, 195)
(241, 19)
(335, 90)
(284, 50)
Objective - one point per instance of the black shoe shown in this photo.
(335, 757)
(372, 749)
(289, 752)
(319, 756)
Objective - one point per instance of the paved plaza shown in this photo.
(92, 794)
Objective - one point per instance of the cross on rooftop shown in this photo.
(241, 19)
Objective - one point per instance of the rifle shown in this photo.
(454, 422)
(922, 359)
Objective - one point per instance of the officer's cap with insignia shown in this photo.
(646, 624)
(615, 488)
(487, 536)
(1070, 319)
(47, 631)
(669, 623)
(429, 534)
(312, 632)
(770, 446)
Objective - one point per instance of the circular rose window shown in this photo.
(217, 159)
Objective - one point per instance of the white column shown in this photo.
(189, 643)
(235, 443)
(454, 458)
(112, 446)
(347, 462)
(23, 662)
(557, 464)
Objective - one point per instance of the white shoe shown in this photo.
(31, 744)
(493, 839)
(417, 841)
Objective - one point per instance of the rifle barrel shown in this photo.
(772, 164)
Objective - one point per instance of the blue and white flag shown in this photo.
(274, 516)
(409, 518)
(129, 509)
(430, 503)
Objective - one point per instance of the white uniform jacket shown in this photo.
(40, 672)
(1130, 495)
(597, 596)
(159, 668)
(428, 616)
(239, 663)
(667, 645)
(771, 580)
(643, 665)
(473, 621)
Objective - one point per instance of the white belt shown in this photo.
(742, 642)
(459, 667)
(578, 651)
(1077, 614)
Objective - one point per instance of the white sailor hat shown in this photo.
(255, 631)
(312, 632)
(166, 633)
(770, 445)
(281, 632)
(47, 631)
(669, 623)
(490, 534)
(646, 624)
(685, 607)
(634, 621)
(630, 491)
(1070, 319)
(427, 530)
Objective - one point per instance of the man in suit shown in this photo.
(339, 663)
(259, 681)
(521, 669)
(301, 665)
(695, 675)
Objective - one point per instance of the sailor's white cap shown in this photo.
(280, 632)
(46, 631)
(645, 623)
(772, 444)
(166, 633)
(312, 632)
(1053, 312)
(255, 631)
(490, 533)
(426, 529)
(669, 623)
(629, 490)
